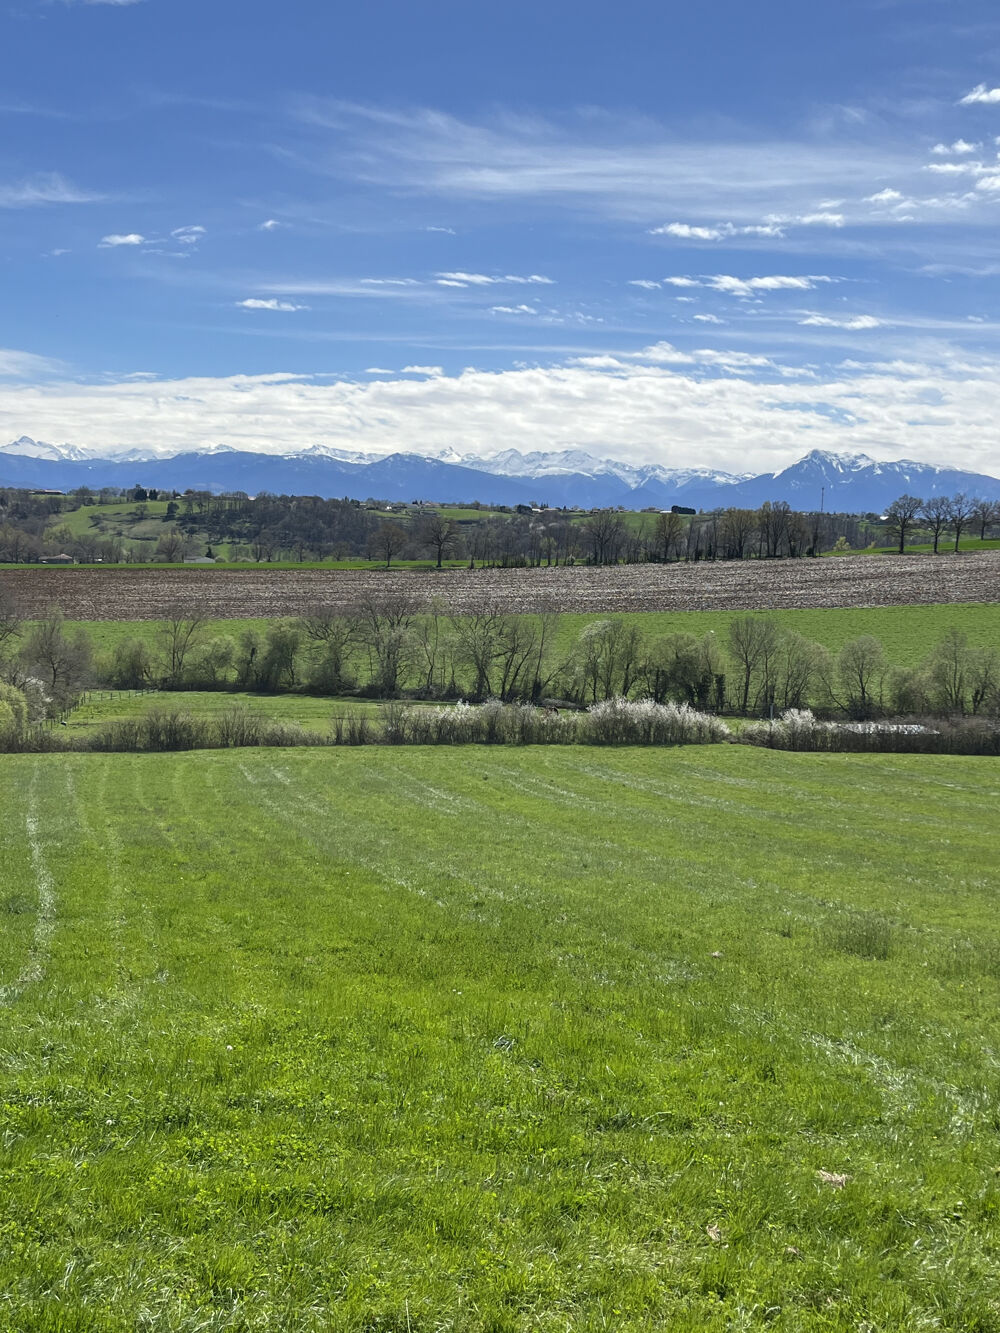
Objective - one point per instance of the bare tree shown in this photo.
(948, 670)
(936, 513)
(901, 518)
(387, 541)
(962, 510)
(985, 515)
(752, 642)
(667, 532)
(604, 533)
(11, 622)
(861, 673)
(738, 528)
(440, 534)
(177, 635)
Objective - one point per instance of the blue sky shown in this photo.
(717, 236)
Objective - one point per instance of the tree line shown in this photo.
(267, 528)
(395, 646)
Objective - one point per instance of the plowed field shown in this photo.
(144, 594)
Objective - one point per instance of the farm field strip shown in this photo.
(498, 1040)
(857, 581)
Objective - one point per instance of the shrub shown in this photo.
(13, 710)
(643, 722)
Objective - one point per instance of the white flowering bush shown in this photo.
(643, 722)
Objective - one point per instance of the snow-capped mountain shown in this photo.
(26, 447)
(576, 462)
(572, 478)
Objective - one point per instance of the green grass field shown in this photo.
(103, 706)
(499, 1040)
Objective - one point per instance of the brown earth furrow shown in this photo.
(143, 594)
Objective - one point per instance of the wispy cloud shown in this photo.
(270, 303)
(27, 366)
(271, 224)
(733, 286)
(513, 310)
(484, 280)
(959, 148)
(433, 371)
(624, 167)
(852, 323)
(188, 235)
(44, 188)
(117, 239)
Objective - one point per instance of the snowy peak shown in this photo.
(574, 478)
(26, 447)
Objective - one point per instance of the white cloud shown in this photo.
(390, 282)
(709, 319)
(981, 93)
(955, 168)
(272, 224)
(433, 371)
(724, 282)
(959, 148)
(886, 196)
(188, 235)
(256, 303)
(685, 232)
(46, 188)
(820, 220)
(447, 231)
(379, 370)
(484, 280)
(118, 238)
(513, 310)
(854, 322)
(682, 282)
(646, 283)
(702, 403)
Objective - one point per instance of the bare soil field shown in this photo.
(857, 581)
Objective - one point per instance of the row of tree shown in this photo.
(393, 646)
(955, 515)
(267, 528)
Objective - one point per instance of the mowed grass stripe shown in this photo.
(437, 1037)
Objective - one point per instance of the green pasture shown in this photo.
(499, 1040)
(907, 632)
(99, 707)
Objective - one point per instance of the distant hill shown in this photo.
(844, 483)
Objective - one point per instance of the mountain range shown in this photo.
(848, 483)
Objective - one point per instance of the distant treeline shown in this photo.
(267, 528)
(395, 647)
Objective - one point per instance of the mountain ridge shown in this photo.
(563, 478)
